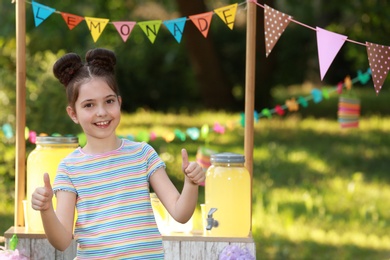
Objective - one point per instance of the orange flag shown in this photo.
(202, 22)
(71, 20)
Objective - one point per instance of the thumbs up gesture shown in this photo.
(42, 197)
(191, 169)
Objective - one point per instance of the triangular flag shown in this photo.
(275, 23)
(176, 27)
(96, 26)
(151, 29)
(379, 59)
(71, 20)
(202, 22)
(41, 12)
(328, 44)
(227, 14)
(124, 28)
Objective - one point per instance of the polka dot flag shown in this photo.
(379, 59)
(275, 23)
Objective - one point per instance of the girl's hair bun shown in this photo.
(101, 58)
(66, 67)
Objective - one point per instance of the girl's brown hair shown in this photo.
(72, 72)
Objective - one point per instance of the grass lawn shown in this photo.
(319, 192)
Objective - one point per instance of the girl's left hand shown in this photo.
(191, 169)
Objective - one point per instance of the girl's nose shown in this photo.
(101, 111)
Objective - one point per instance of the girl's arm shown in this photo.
(180, 206)
(58, 225)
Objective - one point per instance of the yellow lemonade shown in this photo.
(44, 158)
(227, 190)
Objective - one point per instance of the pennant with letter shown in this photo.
(328, 44)
(227, 14)
(379, 59)
(124, 28)
(41, 12)
(202, 22)
(176, 27)
(71, 20)
(96, 26)
(150, 28)
(275, 23)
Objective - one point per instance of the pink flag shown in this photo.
(124, 28)
(328, 44)
(275, 23)
(379, 59)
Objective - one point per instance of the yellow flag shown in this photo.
(227, 14)
(96, 26)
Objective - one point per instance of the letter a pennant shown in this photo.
(176, 27)
(71, 20)
(41, 12)
(227, 14)
(96, 26)
(379, 59)
(202, 22)
(151, 29)
(275, 23)
(329, 44)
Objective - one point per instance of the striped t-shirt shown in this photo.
(115, 216)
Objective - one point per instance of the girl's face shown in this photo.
(97, 110)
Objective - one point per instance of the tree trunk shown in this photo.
(214, 89)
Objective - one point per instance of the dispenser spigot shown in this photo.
(211, 222)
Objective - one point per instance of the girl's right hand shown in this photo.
(42, 197)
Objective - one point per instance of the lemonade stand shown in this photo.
(221, 229)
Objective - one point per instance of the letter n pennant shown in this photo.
(202, 22)
(41, 12)
(150, 28)
(96, 26)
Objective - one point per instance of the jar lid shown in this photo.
(57, 140)
(227, 158)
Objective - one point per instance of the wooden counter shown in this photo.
(177, 246)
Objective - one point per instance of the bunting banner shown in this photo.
(275, 23)
(328, 45)
(379, 59)
(124, 28)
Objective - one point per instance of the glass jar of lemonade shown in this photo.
(46, 156)
(228, 196)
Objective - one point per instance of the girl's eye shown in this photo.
(110, 101)
(88, 105)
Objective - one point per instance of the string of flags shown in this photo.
(347, 116)
(275, 22)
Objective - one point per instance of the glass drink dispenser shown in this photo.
(45, 157)
(228, 196)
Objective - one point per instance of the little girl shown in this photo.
(108, 179)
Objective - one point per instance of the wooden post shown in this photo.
(250, 87)
(20, 158)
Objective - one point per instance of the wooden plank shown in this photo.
(41, 249)
(213, 249)
(171, 250)
(193, 250)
